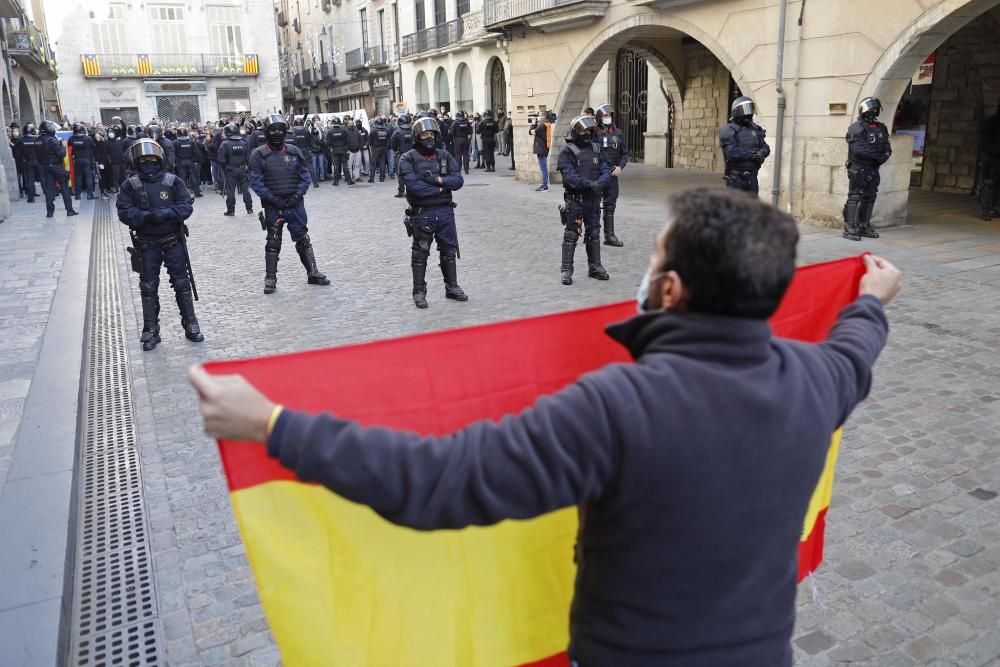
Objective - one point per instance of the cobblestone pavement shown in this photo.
(911, 573)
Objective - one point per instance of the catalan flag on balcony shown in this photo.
(143, 65)
(250, 65)
(91, 65)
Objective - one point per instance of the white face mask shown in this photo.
(642, 294)
(606, 120)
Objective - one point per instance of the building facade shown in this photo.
(338, 55)
(174, 61)
(672, 67)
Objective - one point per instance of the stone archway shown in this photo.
(25, 105)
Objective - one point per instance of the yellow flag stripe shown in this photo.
(824, 488)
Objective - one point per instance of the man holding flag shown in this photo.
(689, 523)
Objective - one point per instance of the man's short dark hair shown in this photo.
(734, 253)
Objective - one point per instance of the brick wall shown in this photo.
(706, 97)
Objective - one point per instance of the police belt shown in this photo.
(578, 196)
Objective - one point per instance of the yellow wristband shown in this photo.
(275, 413)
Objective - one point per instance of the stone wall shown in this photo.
(965, 88)
(706, 97)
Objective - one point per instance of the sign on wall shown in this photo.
(124, 96)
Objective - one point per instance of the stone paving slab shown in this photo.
(911, 572)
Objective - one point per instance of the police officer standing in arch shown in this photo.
(743, 147)
(612, 142)
(431, 174)
(54, 172)
(585, 177)
(154, 204)
(279, 174)
(868, 148)
(233, 156)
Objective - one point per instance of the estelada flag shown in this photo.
(342, 586)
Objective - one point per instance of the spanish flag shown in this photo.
(91, 65)
(250, 65)
(143, 64)
(342, 586)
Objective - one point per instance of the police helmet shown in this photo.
(404, 119)
(743, 107)
(336, 120)
(170, 133)
(433, 113)
(78, 128)
(154, 132)
(182, 131)
(146, 149)
(275, 123)
(582, 126)
(427, 124)
(49, 127)
(604, 110)
(487, 114)
(870, 107)
(231, 131)
(29, 129)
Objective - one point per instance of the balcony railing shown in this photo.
(503, 11)
(140, 65)
(30, 48)
(354, 60)
(379, 56)
(432, 38)
(327, 71)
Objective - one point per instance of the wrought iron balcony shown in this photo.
(354, 60)
(142, 65)
(435, 37)
(328, 71)
(380, 56)
(544, 15)
(30, 49)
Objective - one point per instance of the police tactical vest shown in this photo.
(588, 161)
(82, 148)
(461, 130)
(151, 195)
(52, 151)
(337, 137)
(237, 153)
(380, 137)
(862, 136)
(611, 142)
(281, 170)
(300, 137)
(405, 138)
(184, 149)
(30, 146)
(421, 167)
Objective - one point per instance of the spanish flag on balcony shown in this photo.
(342, 586)
(143, 65)
(91, 65)
(250, 65)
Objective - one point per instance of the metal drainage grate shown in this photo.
(114, 619)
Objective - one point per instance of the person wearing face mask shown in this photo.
(154, 204)
(691, 469)
(743, 147)
(431, 174)
(868, 148)
(116, 157)
(585, 175)
(612, 142)
(54, 174)
(279, 174)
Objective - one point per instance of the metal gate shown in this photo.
(130, 115)
(498, 87)
(631, 95)
(177, 109)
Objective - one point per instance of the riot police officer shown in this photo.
(302, 138)
(868, 149)
(233, 156)
(279, 174)
(585, 175)
(401, 143)
(431, 174)
(83, 161)
(30, 150)
(336, 139)
(461, 132)
(188, 166)
(487, 130)
(155, 132)
(379, 139)
(612, 142)
(743, 147)
(116, 157)
(54, 172)
(989, 164)
(154, 204)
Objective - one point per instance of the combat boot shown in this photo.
(851, 232)
(305, 250)
(250, 209)
(865, 227)
(568, 250)
(150, 337)
(270, 270)
(418, 264)
(594, 268)
(185, 304)
(230, 213)
(449, 269)
(609, 231)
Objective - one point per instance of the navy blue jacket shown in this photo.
(178, 204)
(868, 143)
(694, 467)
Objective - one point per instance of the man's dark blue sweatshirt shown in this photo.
(693, 466)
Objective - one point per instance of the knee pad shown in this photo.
(273, 243)
(303, 244)
(570, 236)
(149, 288)
(609, 208)
(182, 284)
(592, 235)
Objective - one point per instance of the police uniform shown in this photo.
(155, 208)
(281, 179)
(744, 150)
(868, 148)
(83, 163)
(379, 138)
(431, 216)
(461, 131)
(30, 145)
(54, 172)
(187, 163)
(336, 139)
(615, 148)
(301, 138)
(233, 155)
(585, 175)
(487, 130)
(401, 143)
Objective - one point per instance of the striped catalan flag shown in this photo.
(250, 65)
(91, 65)
(143, 64)
(342, 586)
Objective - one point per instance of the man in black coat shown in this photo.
(55, 178)
(692, 468)
(487, 130)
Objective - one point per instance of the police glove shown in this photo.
(293, 201)
(150, 218)
(597, 187)
(430, 177)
